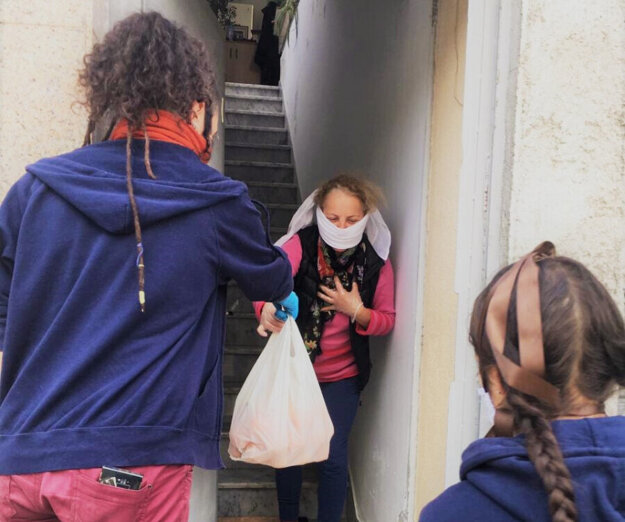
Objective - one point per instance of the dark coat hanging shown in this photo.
(267, 55)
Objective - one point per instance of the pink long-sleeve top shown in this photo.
(336, 360)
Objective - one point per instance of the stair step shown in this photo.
(238, 362)
(252, 492)
(276, 236)
(253, 89)
(249, 519)
(238, 102)
(251, 118)
(271, 192)
(258, 153)
(225, 426)
(241, 330)
(242, 350)
(260, 477)
(281, 214)
(256, 135)
(277, 233)
(272, 184)
(249, 171)
(230, 396)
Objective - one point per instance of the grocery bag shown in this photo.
(280, 418)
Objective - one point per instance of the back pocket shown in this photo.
(95, 502)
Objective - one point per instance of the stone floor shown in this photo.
(248, 519)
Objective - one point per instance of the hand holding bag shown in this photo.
(280, 418)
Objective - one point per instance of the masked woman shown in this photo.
(338, 247)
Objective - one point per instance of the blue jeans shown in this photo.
(341, 398)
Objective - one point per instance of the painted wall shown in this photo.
(41, 48)
(42, 44)
(440, 307)
(356, 83)
(568, 170)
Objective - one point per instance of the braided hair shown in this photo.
(584, 348)
(145, 63)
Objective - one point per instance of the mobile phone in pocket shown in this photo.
(120, 478)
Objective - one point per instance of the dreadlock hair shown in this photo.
(144, 64)
(584, 347)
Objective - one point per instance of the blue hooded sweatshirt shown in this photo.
(87, 379)
(500, 484)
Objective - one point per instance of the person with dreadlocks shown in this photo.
(114, 264)
(338, 245)
(550, 346)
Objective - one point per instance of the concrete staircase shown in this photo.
(257, 152)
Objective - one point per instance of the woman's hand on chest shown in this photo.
(340, 300)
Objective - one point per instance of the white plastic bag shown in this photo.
(280, 418)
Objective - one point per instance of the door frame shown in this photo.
(492, 50)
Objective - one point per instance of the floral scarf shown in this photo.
(347, 265)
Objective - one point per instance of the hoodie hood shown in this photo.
(594, 451)
(93, 180)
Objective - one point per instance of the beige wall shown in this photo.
(563, 177)
(568, 175)
(568, 170)
(42, 44)
(41, 48)
(440, 299)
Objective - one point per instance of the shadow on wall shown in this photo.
(356, 82)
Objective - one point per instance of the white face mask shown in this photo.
(487, 410)
(340, 238)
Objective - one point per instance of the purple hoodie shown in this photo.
(87, 379)
(500, 484)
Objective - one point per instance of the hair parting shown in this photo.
(584, 350)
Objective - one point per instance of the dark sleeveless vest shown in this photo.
(306, 286)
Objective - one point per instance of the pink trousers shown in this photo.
(75, 495)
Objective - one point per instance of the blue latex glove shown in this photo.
(289, 305)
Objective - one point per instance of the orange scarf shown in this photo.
(169, 127)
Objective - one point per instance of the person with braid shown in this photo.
(550, 345)
(114, 264)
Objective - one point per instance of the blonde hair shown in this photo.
(369, 194)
